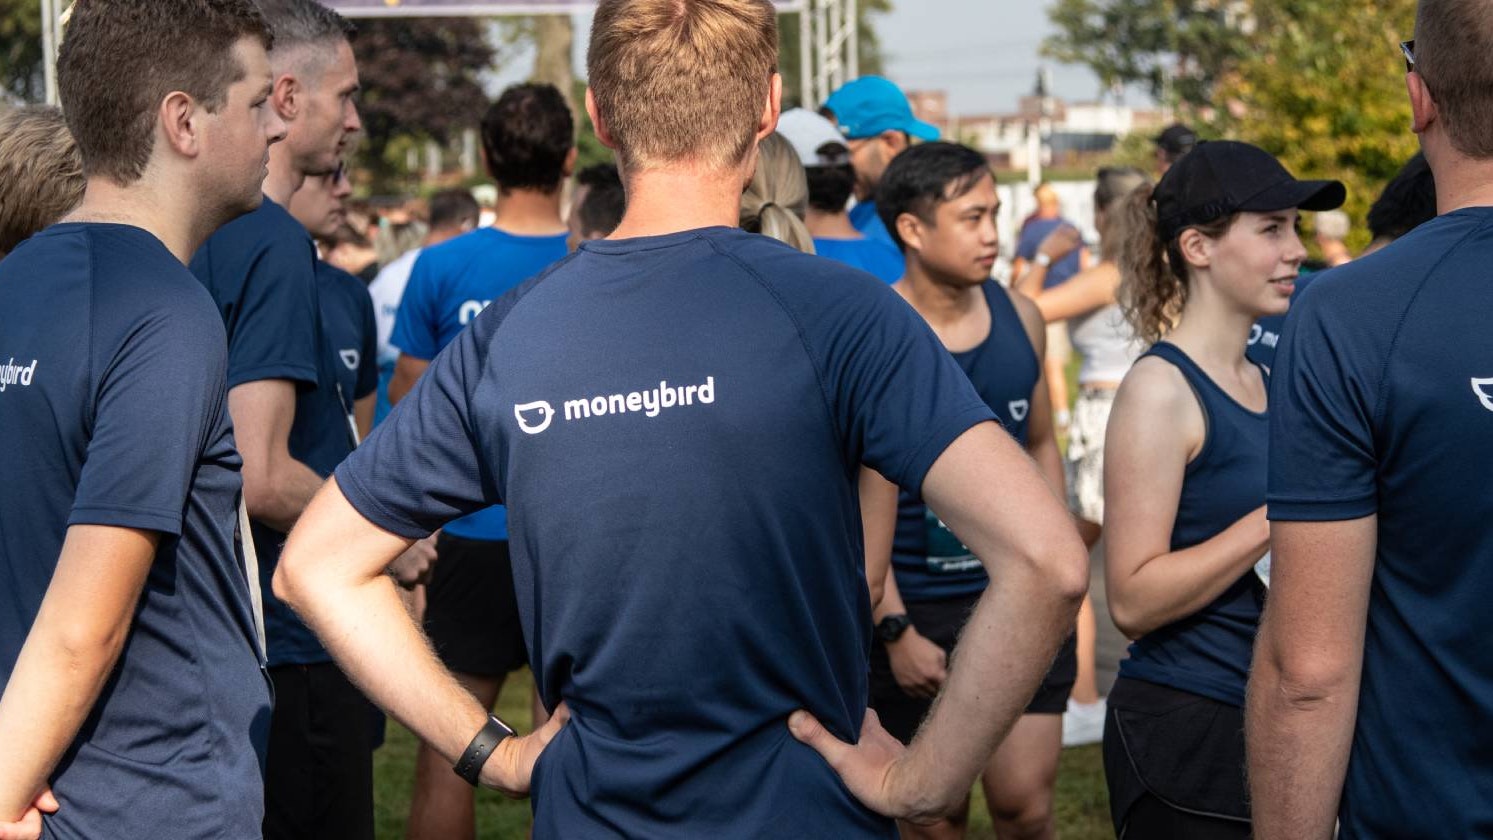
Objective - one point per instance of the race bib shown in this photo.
(946, 554)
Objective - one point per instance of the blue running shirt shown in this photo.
(112, 403)
(867, 254)
(1382, 403)
(347, 316)
(677, 424)
(261, 271)
(450, 284)
(866, 220)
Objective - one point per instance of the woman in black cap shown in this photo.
(1211, 250)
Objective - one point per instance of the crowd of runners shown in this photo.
(740, 444)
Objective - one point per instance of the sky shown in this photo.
(983, 52)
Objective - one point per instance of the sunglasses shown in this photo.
(1408, 48)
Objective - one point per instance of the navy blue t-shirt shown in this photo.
(1031, 239)
(261, 271)
(1265, 334)
(1382, 404)
(867, 254)
(347, 316)
(866, 220)
(1209, 652)
(929, 562)
(452, 283)
(113, 409)
(677, 424)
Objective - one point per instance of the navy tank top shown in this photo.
(929, 562)
(1209, 652)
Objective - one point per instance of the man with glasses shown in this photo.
(878, 124)
(1373, 682)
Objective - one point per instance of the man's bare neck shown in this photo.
(140, 205)
(529, 213)
(670, 200)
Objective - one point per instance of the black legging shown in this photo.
(1152, 819)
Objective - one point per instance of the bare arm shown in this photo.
(277, 487)
(68, 655)
(1089, 290)
(1037, 570)
(1041, 440)
(363, 411)
(1155, 427)
(1058, 244)
(879, 527)
(407, 371)
(332, 574)
(1303, 687)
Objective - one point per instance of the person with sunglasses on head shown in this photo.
(1373, 683)
(1209, 251)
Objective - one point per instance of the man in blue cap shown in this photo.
(878, 124)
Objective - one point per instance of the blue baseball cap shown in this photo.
(870, 105)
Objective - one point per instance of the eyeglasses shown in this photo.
(1408, 48)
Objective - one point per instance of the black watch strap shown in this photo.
(481, 749)
(891, 627)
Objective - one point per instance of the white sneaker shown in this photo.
(1083, 723)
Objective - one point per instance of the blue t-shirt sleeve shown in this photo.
(159, 399)
(1323, 396)
(417, 325)
(276, 330)
(424, 465)
(368, 355)
(897, 396)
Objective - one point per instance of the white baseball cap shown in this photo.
(809, 133)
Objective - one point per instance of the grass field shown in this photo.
(1082, 808)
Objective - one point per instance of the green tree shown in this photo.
(1176, 49)
(20, 49)
(1322, 87)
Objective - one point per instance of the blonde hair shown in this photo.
(41, 172)
(682, 80)
(1153, 273)
(778, 196)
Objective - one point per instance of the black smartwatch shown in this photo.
(481, 749)
(891, 628)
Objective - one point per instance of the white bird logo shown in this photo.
(1480, 387)
(1019, 408)
(546, 412)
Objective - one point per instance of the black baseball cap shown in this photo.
(1176, 140)
(1224, 177)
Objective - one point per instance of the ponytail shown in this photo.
(1151, 294)
(778, 196)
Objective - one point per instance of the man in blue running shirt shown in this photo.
(676, 417)
(1372, 685)
(471, 616)
(878, 124)
(290, 422)
(133, 699)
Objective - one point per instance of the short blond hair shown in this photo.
(41, 172)
(682, 80)
(1452, 41)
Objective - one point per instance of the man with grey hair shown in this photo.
(290, 420)
(1332, 234)
(1372, 681)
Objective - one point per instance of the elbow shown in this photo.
(1061, 562)
(89, 646)
(260, 493)
(1307, 681)
(1129, 622)
(289, 581)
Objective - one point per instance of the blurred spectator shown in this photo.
(597, 206)
(1408, 201)
(41, 173)
(1332, 233)
(826, 160)
(1171, 144)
